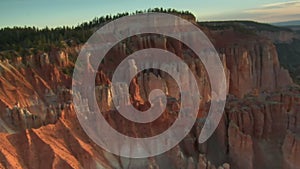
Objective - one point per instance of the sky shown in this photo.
(54, 13)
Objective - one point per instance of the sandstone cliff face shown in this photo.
(252, 62)
(250, 141)
(65, 145)
(59, 57)
(259, 128)
(240, 148)
(253, 69)
(32, 91)
(291, 151)
(279, 37)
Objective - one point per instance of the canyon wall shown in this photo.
(259, 128)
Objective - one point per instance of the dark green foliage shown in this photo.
(20, 38)
(242, 26)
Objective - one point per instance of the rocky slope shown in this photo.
(33, 90)
(259, 129)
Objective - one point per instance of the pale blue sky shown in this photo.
(54, 13)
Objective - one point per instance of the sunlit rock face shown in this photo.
(33, 91)
(259, 128)
(59, 57)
